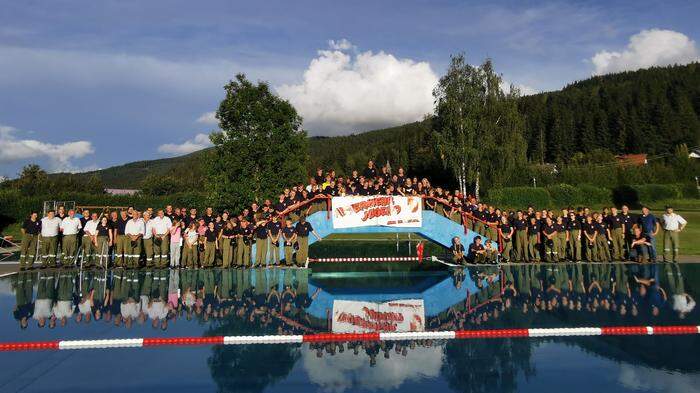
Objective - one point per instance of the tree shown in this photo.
(260, 149)
(477, 127)
(32, 180)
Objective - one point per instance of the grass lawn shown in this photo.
(690, 237)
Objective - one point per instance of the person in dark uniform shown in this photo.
(590, 231)
(371, 171)
(121, 241)
(211, 236)
(477, 252)
(616, 224)
(289, 236)
(574, 237)
(243, 244)
(303, 228)
(274, 227)
(506, 231)
(602, 239)
(550, 242)
(562, 238)
(30, 234)
(261, 239)
(628, 222)
(521, 241)
(533, 239)
(457, 249)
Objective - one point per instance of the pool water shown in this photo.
(69, 304)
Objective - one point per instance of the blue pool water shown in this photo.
(127, 304)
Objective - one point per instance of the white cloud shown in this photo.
(208, 118)
(344, 92)
(341, 44)
(199, 142)
(349, 372)
(648, 48)
(60, 156)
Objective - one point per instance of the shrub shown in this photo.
(593, 195)
(563, 195)
(519, 197)
(657, 192)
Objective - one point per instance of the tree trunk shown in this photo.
(476, 186)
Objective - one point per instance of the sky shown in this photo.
(87, 85)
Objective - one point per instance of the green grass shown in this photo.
(690, 237)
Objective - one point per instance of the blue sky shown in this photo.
(93, 84)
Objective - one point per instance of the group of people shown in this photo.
(278, 233)
(129, 238)
(574, 235)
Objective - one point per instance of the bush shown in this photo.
(593, 195)
(519, 197)
(564, 195)
(657, 192)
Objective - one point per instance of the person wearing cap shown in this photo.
(30, 235)
(50, 227)
(70, 226)
(673, 224)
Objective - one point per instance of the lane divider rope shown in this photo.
(369, 259)
(344, 337)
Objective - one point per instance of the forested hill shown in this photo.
(645, 111)
(648, 111)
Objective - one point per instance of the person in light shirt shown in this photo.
(135, 229)
(148, 238)
(673, 224)
(88, 242)
(50, 226)
(70, 226)
(161, 239)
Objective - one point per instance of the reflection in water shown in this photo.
(291, 301)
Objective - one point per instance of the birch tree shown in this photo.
(477, 127)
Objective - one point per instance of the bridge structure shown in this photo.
(434, 227)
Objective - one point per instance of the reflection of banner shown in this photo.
(362, 211)
(406, 315)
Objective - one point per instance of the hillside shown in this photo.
(649, 111)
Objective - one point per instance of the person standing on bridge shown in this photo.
(303, 228)
(30, 234)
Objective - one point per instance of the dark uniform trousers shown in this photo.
(27, 250)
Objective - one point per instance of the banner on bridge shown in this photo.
(384, 210)
(352, 316)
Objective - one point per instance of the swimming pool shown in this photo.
(118, 304)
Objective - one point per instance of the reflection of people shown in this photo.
(24, 308)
